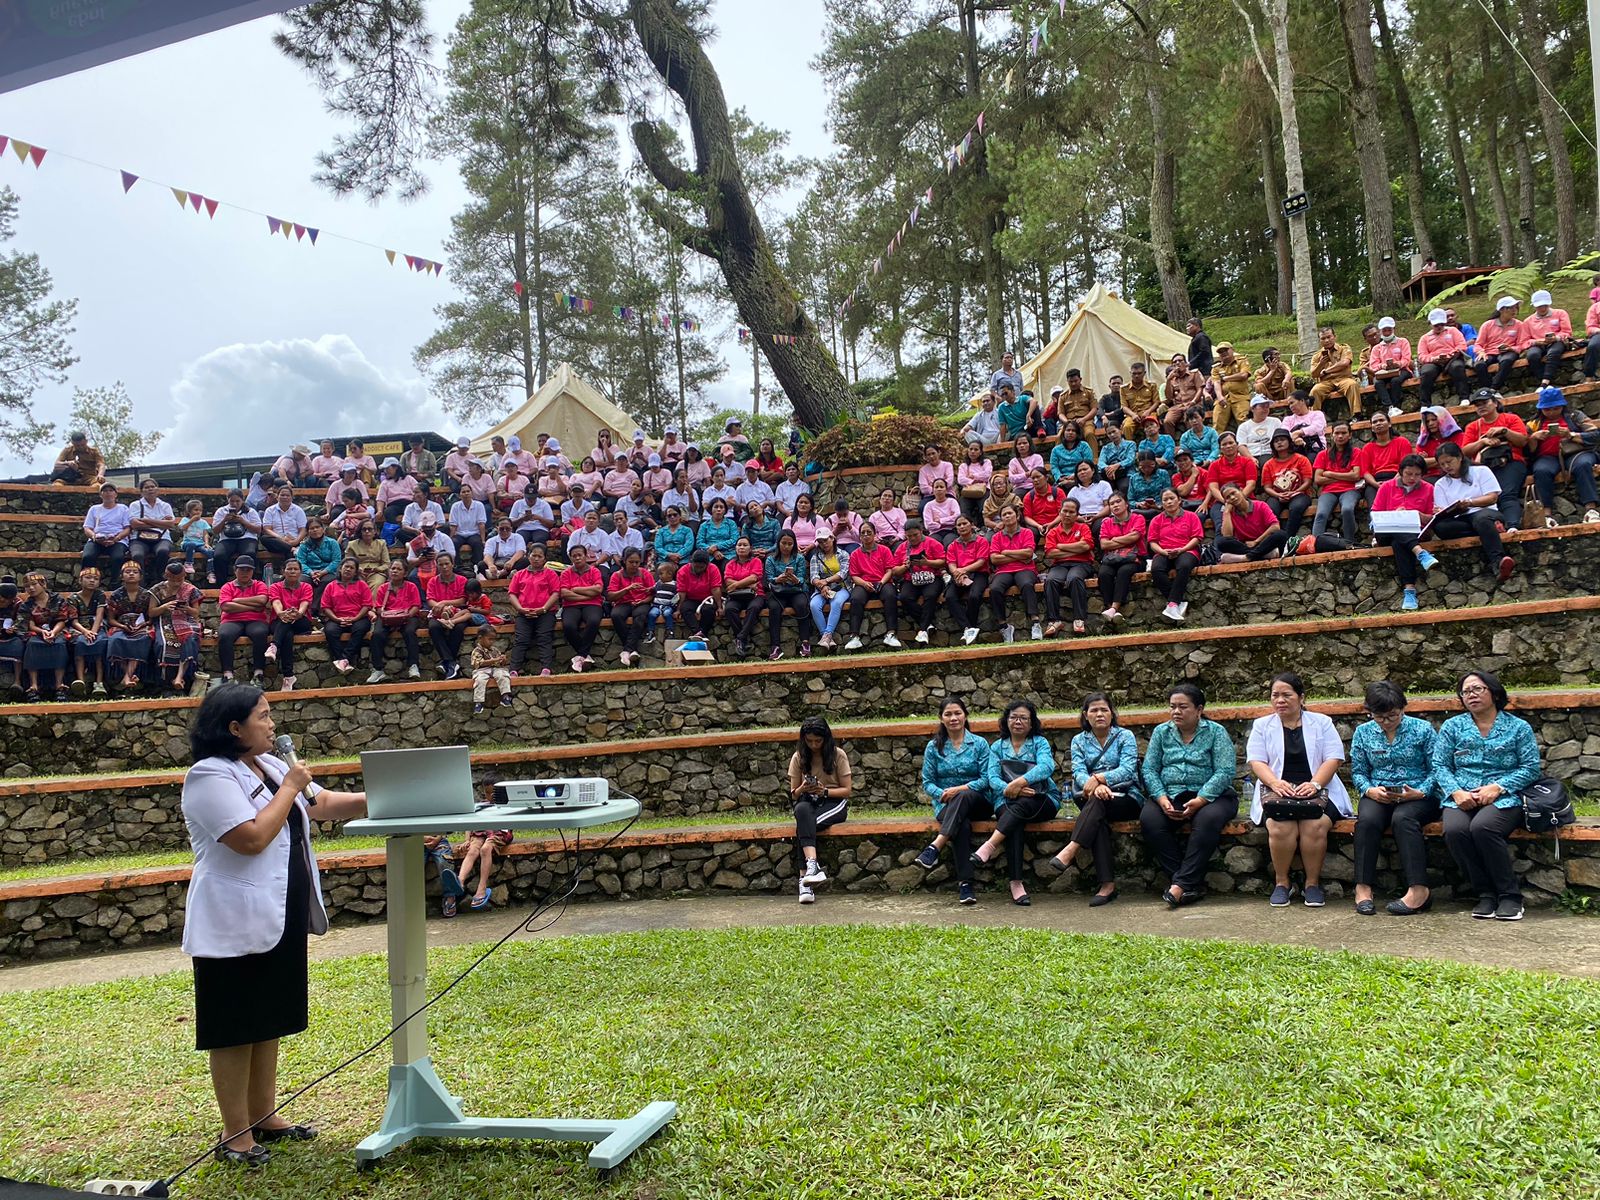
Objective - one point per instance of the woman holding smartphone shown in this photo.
(1391, 762)
(1105, 779)
(819, 785)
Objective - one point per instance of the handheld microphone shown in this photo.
(283, 747)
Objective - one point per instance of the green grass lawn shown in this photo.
(874, 1063)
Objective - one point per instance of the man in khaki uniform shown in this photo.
(1233, 379)
(1332, 373)
(1077, 402)
(1140, 397)
(1273, 379)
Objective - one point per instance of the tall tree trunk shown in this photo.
(1555, 132)
(1016, 315)
(673, 266)
(755, 387)
(989, 222)
(1163, 174)
(1497, 191)
(1514, 105)
(529, 269)
(1280, 227)
(1045, 335)
(1282, 84)
(1458, 157)
(1086, 263)
(1355, 16)
(953, 345)
(1527, 227)
(731, 234)
(1416, 196)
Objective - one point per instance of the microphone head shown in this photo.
(284, 747)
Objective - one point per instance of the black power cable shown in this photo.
(525, 924)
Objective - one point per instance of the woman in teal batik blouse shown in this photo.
(955, 778)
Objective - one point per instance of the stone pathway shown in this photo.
(1544, 941)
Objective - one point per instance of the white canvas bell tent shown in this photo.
(568, 408)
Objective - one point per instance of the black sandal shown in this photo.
(289, 1133)
(255, 1158)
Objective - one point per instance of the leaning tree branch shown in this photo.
(690, 237)
(652, 149)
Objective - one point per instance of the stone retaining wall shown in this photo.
(670, 781)
(757, 862)
(74, 502)
(1529, 647)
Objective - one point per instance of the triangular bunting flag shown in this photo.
(21, 149)
(37, 154)
(128, 180)
(299, 233)
(312, 234)
(3, 142)
(1011, 78)
(211, 208)
(927, 196)
(966, 146)
(1044, 32)
(286, 229)
(273, 225)
(438, 268)
(916, 210)
(181, 196)
(389, 254)
(517, 287)
(980, 122)
(196, 200)
(411, 262)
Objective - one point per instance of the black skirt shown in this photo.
(259, 997)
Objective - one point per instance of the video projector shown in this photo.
(542, 795)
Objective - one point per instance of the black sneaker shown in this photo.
(968, 894)
(928, 859)
(1509, 909)
(1484, 909)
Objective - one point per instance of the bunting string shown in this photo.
(586, 306)
(190, 200)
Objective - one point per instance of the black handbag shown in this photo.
(1280, 808)
(1546, 807)
(1012, 769)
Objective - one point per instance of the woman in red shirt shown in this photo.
(1068, 563)
(968, 561)
(1041, 506)
(1175, 536)
(1122, 533)
(399, 610)
(743, 593)
(1286, 482)
(1337, 475)
(1232, 468)
(1189, 481)
(533, 593)
(1011, 552)
(580, 591)
(919, 568)
(1438, 427)
(290, 600)
(346, 608)
(1380, 458)
(872, 574)
(630, 590)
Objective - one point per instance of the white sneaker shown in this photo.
(1183, 610)
(969, 634)
(922, 637)
(1170, 612)
(413, 672)
(807, 896)
(1008, 633)
(891, 641)
(853, 644)
(375, 677)
(1037, 632)
(286, 684)
(1551, 523)
(1592, 517)
(272, 653)
(813, 873)
(1394, 410)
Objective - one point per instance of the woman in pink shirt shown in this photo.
(605, 454)
(395, 490)
(1011, 553)
(743, 594)
(1501, 341)
(934, 467)
(589, 475)
(478, 484)
(972, 481)
(1438, 427)
(246, 612)
(346, 608)
(290, 600)
(581, 587)
(1389, 363)
(1591, 329)
(1442, 350)
(939, 514)
(1023, 461)
(1249, 531)
(1068, 564)
(398, 609)
(552, 485)
(698, 469)
(1174, 540)
(967, 559)
(1122, 552)
(617, 483)
(872, 576)
(803, 524)
(889, 520)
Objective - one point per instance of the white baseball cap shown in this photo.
(1541, 297)
(1438, 317)
(638, 435)
(1505, 302)
(1385, 322)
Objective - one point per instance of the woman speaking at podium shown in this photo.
(253, 898)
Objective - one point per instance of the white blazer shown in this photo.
(1322, 743)
(237, 901)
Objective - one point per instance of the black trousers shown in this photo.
(1265, 548)
(228, 634)
(380, 639)
(1405, 557)
(1290, 512)
(887, 595)
(777, 600)
(1116, 581)
(1093, 829)
(698, 616)
(920, 601)
(539, 633)
(811, 815)
(1500, 367)
(1479, 842)
(955, 822)
(1025, 582)
(741, 610)
(107, 560)
(1073, 579)
(283, 638)
(628, 620)
(1406, 819)
(1428, 375)
(1010, 819)
(1545, 361)
(152, 556)
(227, 549)
(1483, 525)
(346, 642)
(447, 640)
(1187, 864)
(1391, 391)
(964, 601)
(1171, 575)
(580, 625)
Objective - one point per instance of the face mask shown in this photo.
(1388, 337)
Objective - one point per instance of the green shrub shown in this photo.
(888, 441)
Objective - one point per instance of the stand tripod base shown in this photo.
(419, 1106)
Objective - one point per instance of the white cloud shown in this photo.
(260, 397)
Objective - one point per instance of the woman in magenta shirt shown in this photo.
(1249, 531)
(872, 575)
(967, 559)
(1174, 540)
(1122, 552)
(1041, 506)
(581, 587)
(290, 600)
(1338, 479)
(743, 593)
(1011, 553)
(1380, 458)
(629, 591)
(1068, 564)
(346, 608)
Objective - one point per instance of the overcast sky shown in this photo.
(234, 341)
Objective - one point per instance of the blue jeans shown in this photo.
(1581, 469)
(835, 610)
(660, 612)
